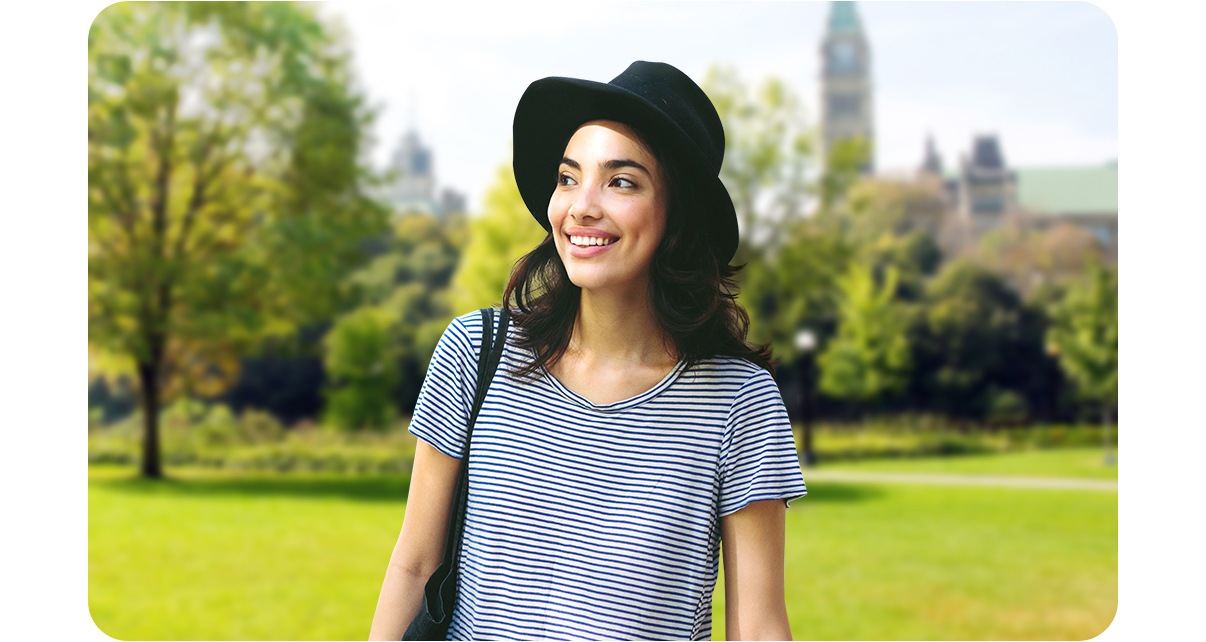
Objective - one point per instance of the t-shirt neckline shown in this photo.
(615, 406)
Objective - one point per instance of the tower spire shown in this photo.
(846, 106)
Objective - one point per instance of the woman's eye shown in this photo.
(565, 179)
(623, 182)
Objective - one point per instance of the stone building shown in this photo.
(983, 192)
(412, 187)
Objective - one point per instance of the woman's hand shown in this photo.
(420, 546)
(752, 545)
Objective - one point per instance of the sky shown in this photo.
(1040, 75)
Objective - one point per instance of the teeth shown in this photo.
(585, 241)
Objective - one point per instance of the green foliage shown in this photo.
(1085, 334)
(498, 237)
(360, 363)
(204, 435)
(1006, 407)
(844, 165)
(225, 198)
(407, 283)
(768, 154)
(972, 334)
(869, 357)
(796, 287)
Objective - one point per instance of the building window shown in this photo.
(988, 205)
(1103, 235)
(843, 58)
(844, 105)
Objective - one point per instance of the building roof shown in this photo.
(843, 18)
(1069, 190)
(986, 152)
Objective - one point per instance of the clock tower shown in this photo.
(846, 107)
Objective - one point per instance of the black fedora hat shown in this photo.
(657, 100)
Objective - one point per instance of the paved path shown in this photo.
(1050, 483)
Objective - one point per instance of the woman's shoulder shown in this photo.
(730, 366)
(727, 377)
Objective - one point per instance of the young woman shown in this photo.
(631, 434)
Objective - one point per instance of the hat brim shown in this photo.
(552, 109)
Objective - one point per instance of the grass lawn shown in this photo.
(209, 556)
(1079, 463)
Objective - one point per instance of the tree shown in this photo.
(767, 158)
(360, 363)
(225, 198)
(1033, 259)
(408, 285)
(1084, 335)
(795, 287)
(844, 163)
(869, 357)
(498, 237)
(977, 346)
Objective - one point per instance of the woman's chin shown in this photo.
(600, 280)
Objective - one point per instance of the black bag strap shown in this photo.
(487, 365)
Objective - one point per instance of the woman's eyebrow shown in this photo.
(624, 162)
(611, 164)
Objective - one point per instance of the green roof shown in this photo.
(1069, 190)
(842, 18)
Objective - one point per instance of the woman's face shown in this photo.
(608, 211)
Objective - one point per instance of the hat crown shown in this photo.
(677, 96)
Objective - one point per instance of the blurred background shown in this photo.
(288, 202)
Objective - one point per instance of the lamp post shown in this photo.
(806, 342)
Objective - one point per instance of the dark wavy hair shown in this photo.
(693, 294)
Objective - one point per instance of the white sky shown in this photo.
(1041, 75)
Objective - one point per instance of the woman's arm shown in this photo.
(420, 546)
(752, 545)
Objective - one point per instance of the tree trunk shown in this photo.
(150, 467)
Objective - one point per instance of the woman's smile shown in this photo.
(589, 242)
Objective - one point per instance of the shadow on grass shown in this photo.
(839, 492)
(370, 488)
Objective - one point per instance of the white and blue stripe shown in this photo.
(591, 521)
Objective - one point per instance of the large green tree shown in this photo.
(978, 347)
(403, 304)
(869, 357)
(1084, 336)
(225, 197)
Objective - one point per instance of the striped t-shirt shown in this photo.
(600, 521)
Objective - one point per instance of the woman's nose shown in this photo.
(585, 203)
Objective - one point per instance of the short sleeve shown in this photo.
(758, 458)
(441, 416)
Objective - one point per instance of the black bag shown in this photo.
(439, 594)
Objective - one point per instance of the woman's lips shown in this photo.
(586, 242)
(588, 251)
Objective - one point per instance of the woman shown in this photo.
(631, 433)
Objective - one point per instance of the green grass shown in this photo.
(215, 556)
(1080, 463)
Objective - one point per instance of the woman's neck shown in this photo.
(619, 328)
